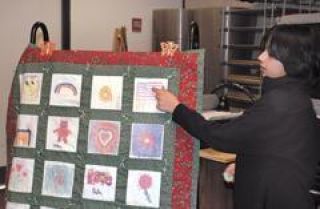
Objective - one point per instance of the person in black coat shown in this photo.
(276, 140)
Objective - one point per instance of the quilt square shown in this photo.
(104, 137)
(26, 133)
(30, 88)
(107, 92)
(143, 188)
(100, 183)
(21, 175)
(66, 90)
(62, 133)
(58, 179)
(12, 205)
(147, 141)
(144, 99)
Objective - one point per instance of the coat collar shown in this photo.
(269, 84)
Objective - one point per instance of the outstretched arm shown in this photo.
(235, 136)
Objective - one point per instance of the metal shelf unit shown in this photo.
(242, 30)
(241, 33)
(244, 79)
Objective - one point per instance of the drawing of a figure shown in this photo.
(58, 179)
(30, 88)
(63, 131)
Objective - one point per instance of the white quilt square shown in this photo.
(146, 141)
(21, 175)
(30, 88)
(143, 188)
(58, 179)
(104, 137)
(144, 99)
(100, 183)
(66, 90)
(26, 133)
(107, 92)
(62, 133)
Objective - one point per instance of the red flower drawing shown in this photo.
(145, 183)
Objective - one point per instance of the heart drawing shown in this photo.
(104, 137)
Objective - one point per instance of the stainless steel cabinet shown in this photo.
(174, 25)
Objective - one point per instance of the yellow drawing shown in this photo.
(31, 86)
(105, 94)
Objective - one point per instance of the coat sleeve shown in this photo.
(235, 136)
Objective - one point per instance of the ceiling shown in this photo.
(302, 6)
(291, 2)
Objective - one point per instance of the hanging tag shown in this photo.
(47, 48)
(168, 48)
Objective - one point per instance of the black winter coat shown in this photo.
(276, 142)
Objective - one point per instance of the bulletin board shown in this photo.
(84, 153)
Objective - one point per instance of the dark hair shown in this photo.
(295, 47)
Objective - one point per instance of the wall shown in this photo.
(16, 19)
(93, 22)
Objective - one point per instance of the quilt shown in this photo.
(86, 133)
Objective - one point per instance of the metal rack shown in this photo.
(241, 34)
(240, 37)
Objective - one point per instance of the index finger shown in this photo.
(155, 90)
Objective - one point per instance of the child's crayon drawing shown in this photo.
(143, 188)
(58, 179)
(66, 90)
(30, 88)
(107, 92)
(62, 133)
(104, 137)
(21, 175)
(147, 141)
(100, 183)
